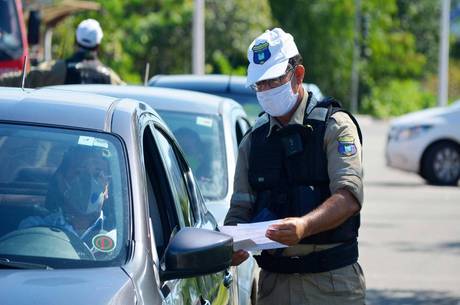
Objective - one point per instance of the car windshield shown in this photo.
(10, 32)
(202, 140)
(63, 197)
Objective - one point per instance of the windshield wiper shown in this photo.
(6, 263)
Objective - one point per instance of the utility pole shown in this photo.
(198, 38)
(444, 54)
(356, 56)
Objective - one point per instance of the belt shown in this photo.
(316, 262)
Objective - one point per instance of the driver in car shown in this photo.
(76, 195)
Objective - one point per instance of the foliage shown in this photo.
(396, 97)
(431, 82)
(160, 32)
(421, 18)
(323, 32)
(398, 42)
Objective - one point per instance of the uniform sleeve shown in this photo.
(243, 197)
(343, 150)
(47, 74)
(115, 79)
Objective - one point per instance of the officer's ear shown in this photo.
(299, 74)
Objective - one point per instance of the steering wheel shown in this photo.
(46, 241)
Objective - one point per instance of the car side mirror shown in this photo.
(195, 252)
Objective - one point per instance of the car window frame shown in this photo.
(183, 167)
(124, 160)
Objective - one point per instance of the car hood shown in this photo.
(427, 116)
(96, 286)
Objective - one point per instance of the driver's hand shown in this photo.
(239, 257)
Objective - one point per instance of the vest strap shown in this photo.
(316, 262)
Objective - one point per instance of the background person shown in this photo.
(301, 162)
(83, 67)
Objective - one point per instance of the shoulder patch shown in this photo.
(346, 146)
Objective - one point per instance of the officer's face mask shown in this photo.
(278, 101)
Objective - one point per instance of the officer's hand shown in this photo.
(239, 257)
(289, 232)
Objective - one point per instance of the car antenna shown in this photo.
(24, 73)
(146, 76)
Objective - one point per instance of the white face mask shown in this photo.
(278, 101)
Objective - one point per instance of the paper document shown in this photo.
(251, 236)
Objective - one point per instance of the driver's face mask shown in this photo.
(85, 194)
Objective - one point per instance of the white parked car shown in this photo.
(427, 142)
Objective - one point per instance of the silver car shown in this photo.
(98, 206)
(209, 129)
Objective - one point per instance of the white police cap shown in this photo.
(269, 54)
(89, 33)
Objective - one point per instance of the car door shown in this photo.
(184, 211)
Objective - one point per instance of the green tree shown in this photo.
(160, 32)
(323, 32)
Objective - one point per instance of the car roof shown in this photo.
(214, 83)
(55, 107)
(161, 98)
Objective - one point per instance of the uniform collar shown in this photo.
(297, 117)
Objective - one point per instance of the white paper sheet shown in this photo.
(251, 236)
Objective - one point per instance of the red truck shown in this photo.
(13, 38)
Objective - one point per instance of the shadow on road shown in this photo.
(394, 184)
(447, 247)
(410, 297)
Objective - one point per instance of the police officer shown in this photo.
(83, 67)
(301, 164)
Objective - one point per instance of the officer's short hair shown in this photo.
(295, 61)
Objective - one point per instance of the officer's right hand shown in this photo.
(239, 257)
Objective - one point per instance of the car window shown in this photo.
(202, 140)
(10, 32)
(176, 178)
(239, 133)
(63, 197)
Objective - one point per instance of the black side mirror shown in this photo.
(33, 28)
(194, 252)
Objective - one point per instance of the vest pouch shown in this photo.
(264, 215)
(304, 199)
(265, 172)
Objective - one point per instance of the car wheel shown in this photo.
(441, 165)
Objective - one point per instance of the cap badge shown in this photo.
(261, 53)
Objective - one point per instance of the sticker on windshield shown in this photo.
(84, 140)
(103, 243)
(101, 143)
(91, 141)
(203, 121)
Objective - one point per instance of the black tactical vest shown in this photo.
(288, 170)
(85, 68)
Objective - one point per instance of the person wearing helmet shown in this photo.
(76, 195)
(83, 67)
(300, 166)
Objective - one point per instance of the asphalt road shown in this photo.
(410, 232)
